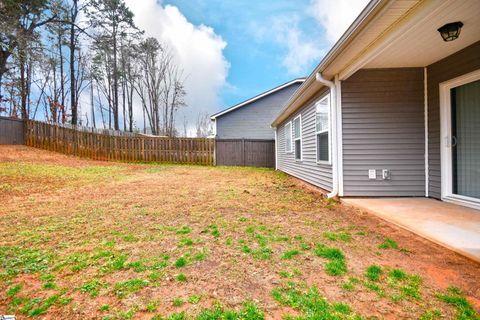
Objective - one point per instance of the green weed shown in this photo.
(454, 297)
(328, 252)
(181, 277)
(337, 265)
(152, 306)
(12, 291)
(194, 299)
(17, 260)
(178, 302)
(249, 311)
(350, 284)
(184, 230)
(181, 262)
(185, 242)
(338, 236)
(388, 244)
(373, 273)
(262, 253)
(200, 256)
(246, 249)
(287, 255)
(137, 266)
(92, 287)
(311, 304)
(432, 314)
(289, 274)
(123, 289)
(104, 308)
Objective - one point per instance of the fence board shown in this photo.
(116, 147)
(245, 152)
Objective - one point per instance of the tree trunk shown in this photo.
(93, 104)
(4, 55)
(115, 80)
(72, 70)
(23, 87)
(73, 47)
(62, 84)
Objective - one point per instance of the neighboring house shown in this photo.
(392, 109)
(251, 119)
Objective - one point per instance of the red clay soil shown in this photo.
(136, 209)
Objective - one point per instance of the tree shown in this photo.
(204, 125)
(152, 66)
(173, 97)
(160, 87)
(129, 75)
(74, 33)
(20, 20)
(112, 19)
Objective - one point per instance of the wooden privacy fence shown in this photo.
(245, 152)
(119, 148)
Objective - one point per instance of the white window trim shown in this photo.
(300, 138)
(445, 145)
(291, 137)
(329, 161)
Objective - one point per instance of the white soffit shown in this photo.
(388, 15)
(422, 45)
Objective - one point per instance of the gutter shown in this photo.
(334, 151)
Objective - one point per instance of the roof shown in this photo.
(257, 97)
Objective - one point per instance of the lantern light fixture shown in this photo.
(450, 31)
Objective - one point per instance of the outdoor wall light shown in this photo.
(450, 31)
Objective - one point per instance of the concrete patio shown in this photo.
(452, 226)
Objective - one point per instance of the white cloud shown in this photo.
(336, 15)
(300, 50)
(197, 49)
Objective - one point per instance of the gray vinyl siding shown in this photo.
(308, 170)
(253, 121)
(383, 128)
(460, 63)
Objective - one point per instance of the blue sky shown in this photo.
(231, 50)
(255, 53)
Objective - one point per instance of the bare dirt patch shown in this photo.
(120, 240)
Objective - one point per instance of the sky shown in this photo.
(231, 50)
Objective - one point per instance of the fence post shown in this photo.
(243, 152)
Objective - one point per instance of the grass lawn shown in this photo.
(82, 239)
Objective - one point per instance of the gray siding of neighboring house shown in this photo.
(383, 128)
(253, 121)
(307, 169)
(460, 63)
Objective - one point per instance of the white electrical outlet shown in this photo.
(386, 174)
(372, 174)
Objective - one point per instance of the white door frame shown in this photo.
(445, 140)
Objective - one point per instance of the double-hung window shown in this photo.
(322, 129)
(288, 137)
(297, 137)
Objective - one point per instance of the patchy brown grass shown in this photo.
(82, 239)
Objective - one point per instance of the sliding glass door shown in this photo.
(460, 118)
(465, 104)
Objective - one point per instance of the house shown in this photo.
(251, 119)
(393, 110)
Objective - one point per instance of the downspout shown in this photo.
(276, 152)
(333, 99)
